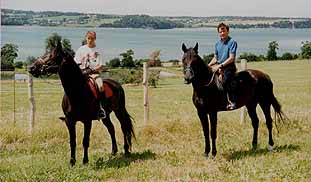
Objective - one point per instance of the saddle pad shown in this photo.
(93, 89)
(108, 91)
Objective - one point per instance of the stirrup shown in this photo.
(102, 114)
(231, 106)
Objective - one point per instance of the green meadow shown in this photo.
(170, 146)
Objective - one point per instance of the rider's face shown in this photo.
(90, 40)
(223, 33)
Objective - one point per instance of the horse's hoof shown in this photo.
(205, 154)
(114, 151)
(127, 154)
(213, 157)
(85, 161)
(270, 148)
(72, 162)
(254, 146)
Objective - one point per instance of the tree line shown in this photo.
(143, 21)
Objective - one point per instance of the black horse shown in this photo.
(253, 87)
(80, 103)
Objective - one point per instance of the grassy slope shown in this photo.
(169, 147)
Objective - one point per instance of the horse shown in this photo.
(81, 104)
(254, 87)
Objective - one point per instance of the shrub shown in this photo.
(249, 57)
(287, 56)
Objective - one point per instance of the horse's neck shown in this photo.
(72, 79)
(204, 74)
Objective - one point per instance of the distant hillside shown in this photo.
(143, 21)
(75, 19)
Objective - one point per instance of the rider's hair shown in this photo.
(92, 33)
(222, 25)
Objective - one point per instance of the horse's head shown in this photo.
(48, 63)
(190, 60)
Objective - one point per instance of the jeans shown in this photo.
(230, 84)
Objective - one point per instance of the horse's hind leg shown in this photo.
(86, 140)
(125, 120)
(266, 110)
(107, 122)
(255, 123)
(71, 125)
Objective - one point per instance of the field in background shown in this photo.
(168, 148)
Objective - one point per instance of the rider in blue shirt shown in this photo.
(224, 57)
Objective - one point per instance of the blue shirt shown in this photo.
(224, 49)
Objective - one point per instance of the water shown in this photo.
(31, 40)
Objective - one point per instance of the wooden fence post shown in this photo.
(243, 109)
(146, 100)
(14, 99)
(32, 104)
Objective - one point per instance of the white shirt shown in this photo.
(88, 57)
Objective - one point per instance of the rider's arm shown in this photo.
(213, 61)
(229, 60)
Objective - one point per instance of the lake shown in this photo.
(31, 40)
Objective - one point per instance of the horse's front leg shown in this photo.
(71, 125)
(204, 121)
(213, 120)
(86, 140)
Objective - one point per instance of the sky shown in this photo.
(267, 8)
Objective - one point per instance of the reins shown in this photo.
(211, 79)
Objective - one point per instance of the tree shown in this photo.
(155, 58)
(114, 63)
(8, 55)
(208, 58)
(53, 40)
(18, 64)
(249, 57)
(30, 60)
(67, 47)
(271, 54)
(127, 60)
(306, 50)
(287, 56)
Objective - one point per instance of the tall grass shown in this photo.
(170, 146)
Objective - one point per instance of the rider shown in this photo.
(224, 57)
(91, 63)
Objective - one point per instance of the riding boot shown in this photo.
(232, 96)
(101, 111)
(232, 103)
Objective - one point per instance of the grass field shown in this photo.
(170, 146)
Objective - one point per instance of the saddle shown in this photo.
(95, 90)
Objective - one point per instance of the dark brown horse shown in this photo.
(254, 87)
(79, 102)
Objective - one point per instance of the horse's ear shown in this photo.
(196, 47)
(184, 48)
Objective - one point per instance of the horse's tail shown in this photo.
(279, 115)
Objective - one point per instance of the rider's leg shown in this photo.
(230, 87)
(99, 83)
